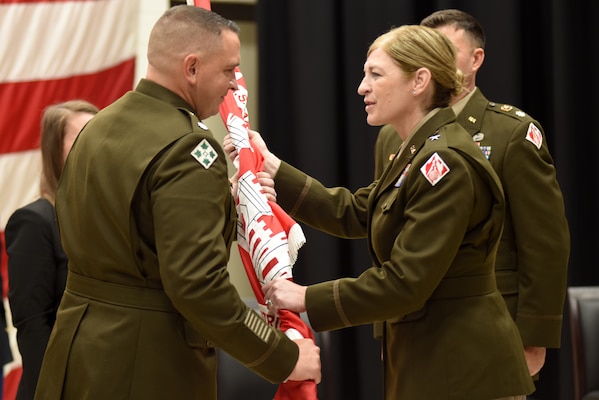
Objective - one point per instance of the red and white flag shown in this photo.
(268, 239)
(53, 51)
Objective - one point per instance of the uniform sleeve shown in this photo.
(192, 207)
(336, 211)
(436, 219)
(541, 235)
(32, 275)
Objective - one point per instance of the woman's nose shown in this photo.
(362, 88)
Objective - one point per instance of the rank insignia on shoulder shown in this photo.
(506, 107)
(521, 113)
(534, 135)
(202, 125)
(434, 169)
(204, 153)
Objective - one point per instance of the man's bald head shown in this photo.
(182, 30)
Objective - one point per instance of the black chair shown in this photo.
(584, 326)
(234, 381)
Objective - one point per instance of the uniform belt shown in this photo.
(117, 294)
(454, 288)
(465, 286)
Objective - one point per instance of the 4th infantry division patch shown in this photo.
(204, 153)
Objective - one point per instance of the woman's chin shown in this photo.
(372, 121)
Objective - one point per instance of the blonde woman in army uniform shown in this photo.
(532, 259)
(433, 223)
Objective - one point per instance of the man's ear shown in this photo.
(191, 66)
(478, 57)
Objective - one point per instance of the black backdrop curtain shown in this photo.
(541, 56)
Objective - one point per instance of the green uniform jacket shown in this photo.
(147, 221)
(448, 333)
(532, 259)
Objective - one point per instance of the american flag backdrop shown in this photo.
(53, 51)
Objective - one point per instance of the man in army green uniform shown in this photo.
(532, 260)
(147, 220)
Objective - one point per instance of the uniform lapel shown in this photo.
(412, 147)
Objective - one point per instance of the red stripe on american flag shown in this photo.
(100, 88)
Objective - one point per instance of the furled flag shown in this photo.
(268, 239)
(53, 51)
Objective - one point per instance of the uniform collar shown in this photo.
(155, 90)
(472, 111)
(458, 107)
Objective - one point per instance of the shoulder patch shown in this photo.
(204, 153)
(434, 169)
(534, 135)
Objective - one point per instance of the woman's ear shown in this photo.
(422, 77)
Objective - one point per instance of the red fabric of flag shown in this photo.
(268, 238)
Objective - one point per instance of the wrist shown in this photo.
(271, 164)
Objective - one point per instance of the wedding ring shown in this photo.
(268, 303)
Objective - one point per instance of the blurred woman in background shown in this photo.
(37, 264)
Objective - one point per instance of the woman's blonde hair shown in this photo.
(54, 122)
(413, 47)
